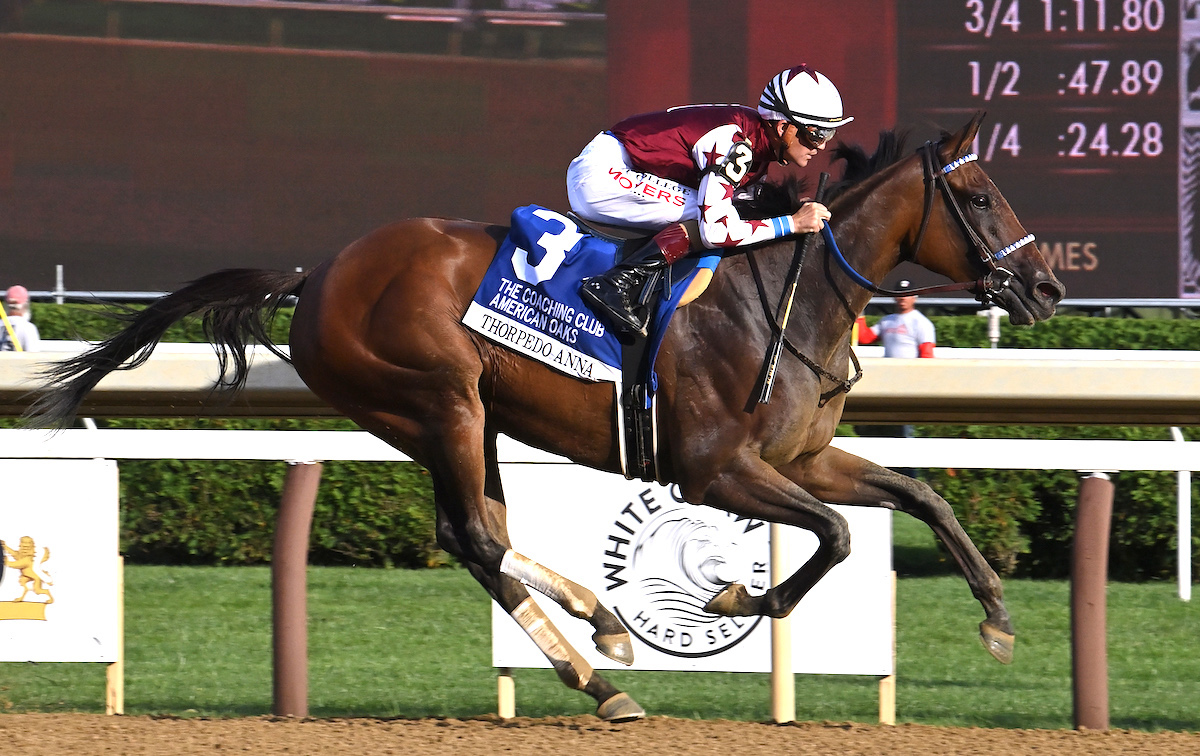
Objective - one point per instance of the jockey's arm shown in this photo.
(724, 163)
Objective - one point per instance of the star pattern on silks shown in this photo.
(724, 221)
(712, 156)
(704, 211)
(728, 191)
(756, 224)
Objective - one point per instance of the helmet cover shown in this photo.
(803, 97)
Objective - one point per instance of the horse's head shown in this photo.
(972, 233)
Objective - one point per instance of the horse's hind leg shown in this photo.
(612, 705)
(838, 476)
(611, 637)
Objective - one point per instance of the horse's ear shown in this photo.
(958, 144)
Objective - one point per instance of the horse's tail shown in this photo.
(236, 305)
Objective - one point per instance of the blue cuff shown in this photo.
(783, 226)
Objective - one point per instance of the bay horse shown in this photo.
(377, 334)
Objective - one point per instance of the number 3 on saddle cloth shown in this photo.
(529, 302)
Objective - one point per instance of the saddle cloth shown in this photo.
(529, 298)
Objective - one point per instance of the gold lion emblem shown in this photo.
(22, 559)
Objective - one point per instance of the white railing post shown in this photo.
(1184, 527)
(783, 681)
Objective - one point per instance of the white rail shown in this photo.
(977, 386)
(1178, 456)
(975, 453)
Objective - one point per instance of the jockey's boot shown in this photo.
(621, 294)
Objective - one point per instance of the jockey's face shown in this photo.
(791, 148)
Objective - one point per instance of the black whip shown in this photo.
(802, 246)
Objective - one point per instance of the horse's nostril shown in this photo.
(1051, 291)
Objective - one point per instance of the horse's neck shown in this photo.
(869, 231)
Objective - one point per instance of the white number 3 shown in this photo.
(556, 247)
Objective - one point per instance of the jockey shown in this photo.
(687, 164)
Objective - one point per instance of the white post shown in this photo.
(783, 682)
(114, 674)
(506, 693)
(1184, 528)
(993, 315)
(887, 685)
(58, 284)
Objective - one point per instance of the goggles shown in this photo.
(814, 136)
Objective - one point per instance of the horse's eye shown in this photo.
(981, 201)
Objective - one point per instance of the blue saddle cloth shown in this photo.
(529, 298)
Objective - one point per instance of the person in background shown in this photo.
(18, 332)
(905, 333)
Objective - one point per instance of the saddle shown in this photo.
(630, 239)
(528, 301)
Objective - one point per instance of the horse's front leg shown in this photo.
(752, 488)
(842, 478)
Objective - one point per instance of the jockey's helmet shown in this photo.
(807, 99)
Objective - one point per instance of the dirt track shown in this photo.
(80, 734)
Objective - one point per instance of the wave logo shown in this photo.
(665, 562)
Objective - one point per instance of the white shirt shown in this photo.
(904, 333)
(27, 335)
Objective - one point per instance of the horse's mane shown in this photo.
(783, 197)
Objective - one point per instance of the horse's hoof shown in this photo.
(733, 601)
(619, 648)
(620, 708)
(998, 643)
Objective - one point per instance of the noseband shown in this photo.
(984, 288)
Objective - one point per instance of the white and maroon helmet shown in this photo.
(806, 98)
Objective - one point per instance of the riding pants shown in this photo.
(603, 187)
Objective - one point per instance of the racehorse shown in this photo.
(377, 334)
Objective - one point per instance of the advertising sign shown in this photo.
(59, 585)
(655, 561)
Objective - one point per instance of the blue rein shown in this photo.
(831, 245)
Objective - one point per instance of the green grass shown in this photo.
(399, 643)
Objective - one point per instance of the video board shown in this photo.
(1089, 134)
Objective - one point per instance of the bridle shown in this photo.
(984, 288)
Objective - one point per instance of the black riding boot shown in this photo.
(621, 295)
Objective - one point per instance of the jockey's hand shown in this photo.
(810, 217)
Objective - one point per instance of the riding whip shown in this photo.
(802, 247)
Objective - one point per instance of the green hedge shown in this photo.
(223, 512)
(195, 512)
(1071, 332)
(1023, 521)
(93, 322)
